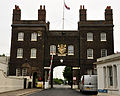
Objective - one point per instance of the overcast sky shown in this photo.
(54, 13)
(58, 72)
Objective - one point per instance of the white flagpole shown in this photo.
(63, 14)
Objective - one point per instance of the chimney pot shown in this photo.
(80, 6)
(40, 6)
(44, 7)
(83, 7)
(108, 7)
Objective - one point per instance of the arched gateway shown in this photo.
(64, 45)
(32, 41)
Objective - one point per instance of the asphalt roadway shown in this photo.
(60, 91)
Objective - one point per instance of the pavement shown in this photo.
(100, 94)
(25, 92)
(22, 92)
(106, 94)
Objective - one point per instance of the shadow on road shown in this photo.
(90, 93)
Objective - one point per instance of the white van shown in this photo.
(88, 83)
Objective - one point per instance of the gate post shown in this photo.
(52, 77)
(25, 80)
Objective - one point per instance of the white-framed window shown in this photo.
(33, 53)
(103, 52)
(89, 36)
(115, 82)
(24, 72)
(103, 36)
(105, 76)
(18, 72)
(19, 53)
(110, 76)
(34, 36)
(89, 53)
(70, 50)
(52, 50)
(20, 36)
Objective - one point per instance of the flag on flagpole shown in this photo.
(66, 6)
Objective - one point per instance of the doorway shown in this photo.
(34, 79)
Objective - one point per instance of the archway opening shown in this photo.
(59, 80)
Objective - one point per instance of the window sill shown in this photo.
(89, 57)
(89, 40)
(19, 57)
(33, 40)
(33, 57)
(52, 54)
(70, 54)
(103, 40)
(20, 40)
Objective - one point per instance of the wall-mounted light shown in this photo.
(61, 60)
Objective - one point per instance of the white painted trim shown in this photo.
(46, 67)
(76, 68)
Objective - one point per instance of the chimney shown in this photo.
(16, 13)
(83, 14)
(108, 14)
(42, 14)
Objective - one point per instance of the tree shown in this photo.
(67, 74)
(2, 54)
(57, 81)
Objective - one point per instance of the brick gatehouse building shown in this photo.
(32, 44)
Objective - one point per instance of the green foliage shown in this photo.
(2, 54)
(57, 81)
(67, 74)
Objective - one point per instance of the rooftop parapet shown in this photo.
(83, 16)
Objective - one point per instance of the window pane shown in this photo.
(70, 50)
(33, 53)
(20, 36)
(104, 72)
(110, 76)
(18, 73)
(115, 75)
(52, 50)
(34, 37)
(89, 36)
(103, 52)
(19, 53)
(24, 72)
(103, 36)
(90, 53)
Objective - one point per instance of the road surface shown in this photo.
(59, 91)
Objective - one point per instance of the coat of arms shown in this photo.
(61, 50)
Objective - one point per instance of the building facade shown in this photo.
(32, 44)
(4, 64)
(108, 75)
